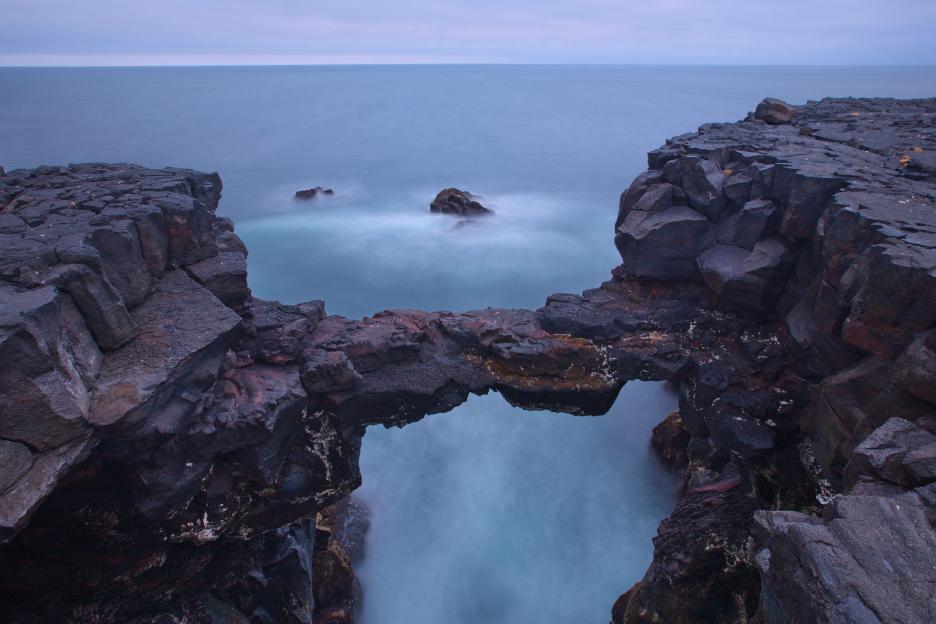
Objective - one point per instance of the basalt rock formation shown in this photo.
(453, 201)
(174, 449)
(312, 193)
(824, 227)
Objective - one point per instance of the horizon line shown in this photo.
(157, 65)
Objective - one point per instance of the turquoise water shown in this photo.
(549, 147)
(493, 514)
(488, 513)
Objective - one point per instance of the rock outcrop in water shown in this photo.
(173, 447)
(312, 193)
(453, 201)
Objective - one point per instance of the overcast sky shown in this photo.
(122, 32)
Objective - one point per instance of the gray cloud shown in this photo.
(578, 31)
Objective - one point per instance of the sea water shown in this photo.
(488, 513)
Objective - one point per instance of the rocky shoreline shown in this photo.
(173, 448)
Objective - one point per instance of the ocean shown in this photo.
(487, 513)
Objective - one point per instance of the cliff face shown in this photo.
(146, 432)
(167, 440)
(830, 225)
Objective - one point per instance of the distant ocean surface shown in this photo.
(550, 148)
(486, 514)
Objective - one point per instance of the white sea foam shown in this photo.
(497, 515)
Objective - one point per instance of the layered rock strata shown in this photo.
(173, 447)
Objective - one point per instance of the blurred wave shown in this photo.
(360, 247)
(497, 515)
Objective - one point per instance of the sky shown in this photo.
(210, 32)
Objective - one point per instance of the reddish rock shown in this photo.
(670, 440)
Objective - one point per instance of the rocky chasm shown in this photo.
(173, 449)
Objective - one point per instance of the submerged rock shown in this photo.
(457, 202)
(314, 192)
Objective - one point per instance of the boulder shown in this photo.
(703, 183)
(750, 278)
(806, 197)
(48, 360)
(739, 184)
(698, 571)
(121, 257)
(183, 329)
(774, 111)
(733, 430)
(189, 227)
(840, 406)
(629, 197)
(38, 477)
(457, 202)
(16, 459)
(895, 298)
(663, 244)
(225, 275)
(898, 452)
(329, 371)
(915, 369)
(12, 224)
(746, 227)
(336, 587)
(655, 198)
(821, 352)
(670, 440)
(312, 193)
(102, 307)
(868, 559)
(257, 410)
(17, 251)
(279, 329)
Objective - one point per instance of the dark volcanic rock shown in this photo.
(224, 275)
(102, 307)
(898, 452)
(699, 571)
(670, 440)
(457, 202)
(703, 182)
(171, 446)
(774, 111)
(862, 562)
(314, 192)
(339, 539)
(183, 329)
(662, 245)
(755, 221)
(752, 278)
(915, 369)
(844, 231)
